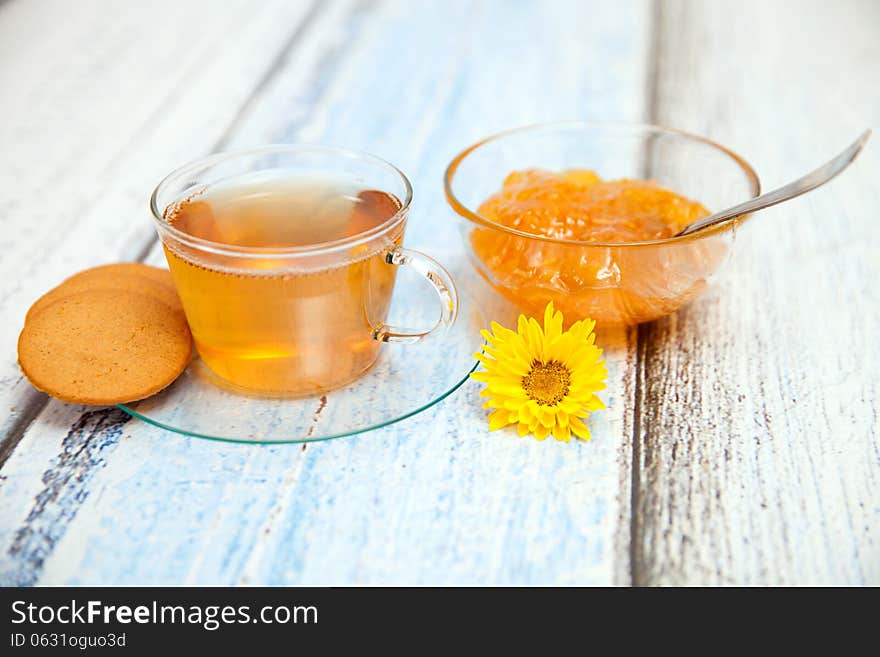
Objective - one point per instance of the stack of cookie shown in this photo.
(107, 335)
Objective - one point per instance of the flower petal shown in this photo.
(541, 432)
(498, 419)
(562, 433)
(579, 429)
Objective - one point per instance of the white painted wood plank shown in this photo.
(759, 457)
(98, 104)
(435, 499)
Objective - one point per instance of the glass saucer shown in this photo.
(406, 379)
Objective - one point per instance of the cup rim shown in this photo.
(471, 215)
(320, 248)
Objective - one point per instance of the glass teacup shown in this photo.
(274, 307)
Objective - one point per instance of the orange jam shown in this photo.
(621, 284)
(578, 205)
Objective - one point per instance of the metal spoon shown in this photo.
(795, 188)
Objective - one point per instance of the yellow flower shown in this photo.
(542, 380)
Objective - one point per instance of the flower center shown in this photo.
(547, 383)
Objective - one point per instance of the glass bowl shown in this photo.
(611, 282)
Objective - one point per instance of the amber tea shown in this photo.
(279, 325)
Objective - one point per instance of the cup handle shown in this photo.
(443, 285)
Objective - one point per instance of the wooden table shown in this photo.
(740, 443)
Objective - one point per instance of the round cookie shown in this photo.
(104, 347)
(132, 277)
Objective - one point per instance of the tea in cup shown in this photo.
(285, 259)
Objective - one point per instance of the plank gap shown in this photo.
(32, 410)
(635, 533)
(652, 91)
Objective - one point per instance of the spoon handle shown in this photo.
(797, 187)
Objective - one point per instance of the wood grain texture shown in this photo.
(435, 499)
(754, 410)
(757, 457)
